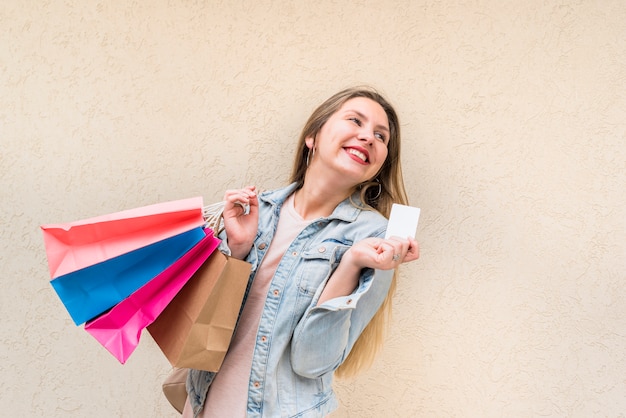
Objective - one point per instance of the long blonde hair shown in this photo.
(378, 193)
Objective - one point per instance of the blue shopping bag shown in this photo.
(88, 292)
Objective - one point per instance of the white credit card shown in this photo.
(402, 221)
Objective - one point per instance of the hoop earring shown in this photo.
(309, 154)
(380, 189)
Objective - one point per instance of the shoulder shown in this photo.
(358, 222)
(276, 197)
(372, 221)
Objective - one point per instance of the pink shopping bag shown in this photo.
(76, 245)
(119, 330)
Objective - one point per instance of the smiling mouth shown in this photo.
(358, 154)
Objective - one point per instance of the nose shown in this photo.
(366, 135)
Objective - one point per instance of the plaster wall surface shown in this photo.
(514, 146)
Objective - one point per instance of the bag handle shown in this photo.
(213, 217)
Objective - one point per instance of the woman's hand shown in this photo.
(376, 253)
(240, 227)
(383, 254)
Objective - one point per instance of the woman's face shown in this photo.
(352, 143)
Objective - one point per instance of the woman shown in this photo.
(322, 272)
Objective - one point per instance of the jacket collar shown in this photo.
(347, 210)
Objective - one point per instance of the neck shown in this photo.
(315, 200)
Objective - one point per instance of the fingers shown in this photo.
(413, 252)
(399, 249)
(403, 250)
(240, 229)
(244, 195)
(384, 254)
(242, 199)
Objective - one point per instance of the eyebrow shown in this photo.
(362, 116)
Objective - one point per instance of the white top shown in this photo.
(229, 391)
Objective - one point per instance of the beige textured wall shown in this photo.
(514, 119)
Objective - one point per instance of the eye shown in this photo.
(356, 120)
(380, 136)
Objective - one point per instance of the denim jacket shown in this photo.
(299, 345)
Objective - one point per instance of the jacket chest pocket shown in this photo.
(318, 262)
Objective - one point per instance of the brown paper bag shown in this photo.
(195, 329)
(174, 388)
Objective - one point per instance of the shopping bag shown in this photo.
(175, 388)
(195, 329)
(75, 245)
(119, 329)
(88, 292)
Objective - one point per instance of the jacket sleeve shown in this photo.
(325, 335)
(251, 258)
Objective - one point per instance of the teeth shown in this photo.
(357, 153)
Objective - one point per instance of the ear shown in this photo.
(310, 142)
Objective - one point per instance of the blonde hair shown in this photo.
(378, 193)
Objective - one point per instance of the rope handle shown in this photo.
(213, 217)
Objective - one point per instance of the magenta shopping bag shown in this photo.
(119, 329)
